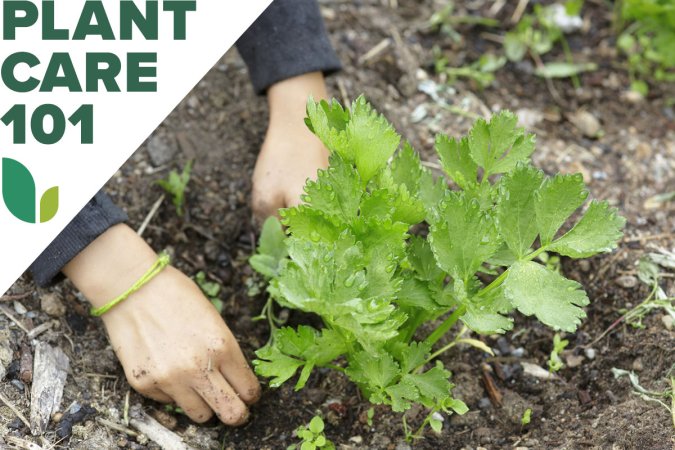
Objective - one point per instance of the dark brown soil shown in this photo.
(221, 125)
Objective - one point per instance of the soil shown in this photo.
(221, 124)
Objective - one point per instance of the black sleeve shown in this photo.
(287, 40)
(95, 218)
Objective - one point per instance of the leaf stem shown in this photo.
(445, 326)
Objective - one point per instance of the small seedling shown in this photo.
(537, 34)
(312, 436)
(527, 417)
(175, 185)
(554, 361)
(211, 289)
(481, 71)
(647, 40)
(369, 416)
(665, 398)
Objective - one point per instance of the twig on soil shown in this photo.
(375, 51)
(35, 332)
(608, 264)
(5, 311)
(50, 369)
(520, 10)
(496, 7)
(647, 237)
(155, 431)
(11, 298)
(116, 427)
(22, 443)
(125, 415)
(150, 215)
(18, 414)
(100, 375)
(344, 94)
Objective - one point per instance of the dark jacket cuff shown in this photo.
(94, 219)
(287, 40)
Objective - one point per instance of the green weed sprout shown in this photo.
(175, 185)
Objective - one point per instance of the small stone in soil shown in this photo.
(590, 353)
(484, 403)
(75, 415)
(627, 281)
(52, 305)
(637, 365)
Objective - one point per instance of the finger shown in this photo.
(157, 396)
(239, 375)
(222, 399)
(192, 404)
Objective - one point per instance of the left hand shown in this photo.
(290, 153)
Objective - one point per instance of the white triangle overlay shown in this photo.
(122, 121)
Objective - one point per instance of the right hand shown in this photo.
(172, 343)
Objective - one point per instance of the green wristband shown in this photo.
(159, 265)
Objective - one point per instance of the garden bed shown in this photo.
(631, 161)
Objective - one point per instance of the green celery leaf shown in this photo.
(422, 260)
(415, 293)
(337, 191)
(406, 168)
(311, 224)
(374, 370)
(464, 238)
(410, 356)
(555, 300)
(371, 138)
(271, 249)
(515, 206)
(499, 145)
(431, 193)
(402, 395)
(272, 363)
(598, 231)
(555, 202)
(432, 385)
(456, 160)
(328, 122)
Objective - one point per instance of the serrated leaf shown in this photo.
(271, 249)
(514, 208)
(49, 204)
(337, 191)
(402, 395)
(555, 202)
(456, 160)
(433, 385)
(422, 260)
(273, 364)
(415, 293)
(18, 190)
(497, 146)
(308, 223)
(431, 193)
(376, 370)
(464, 238)
(410, 356)
(328, 122)
(598, 231)
(406, 168)
(555, 300)
(372, 139)
(486, 322)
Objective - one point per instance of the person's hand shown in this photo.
(171, 341)
(291, 153)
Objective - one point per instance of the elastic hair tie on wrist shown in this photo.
(159, 265)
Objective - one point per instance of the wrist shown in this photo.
(288, 100)
(108, 266)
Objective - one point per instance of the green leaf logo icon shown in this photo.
(18, 192)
